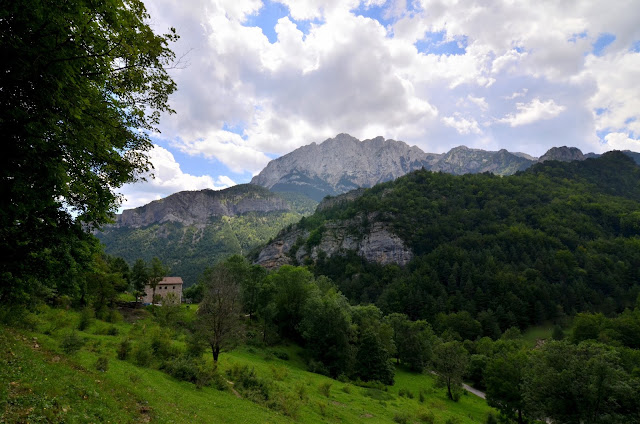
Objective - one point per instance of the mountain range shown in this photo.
(190, 230)
(343, 163)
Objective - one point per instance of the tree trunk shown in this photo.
(449, 389)
(216, 352)
(520, 420)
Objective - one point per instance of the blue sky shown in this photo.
(260, 78)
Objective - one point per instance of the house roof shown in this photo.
(171, 280)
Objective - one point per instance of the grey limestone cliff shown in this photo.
(197, 207)
(374, 242)
(341, 164)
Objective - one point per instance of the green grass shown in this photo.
(39, 383)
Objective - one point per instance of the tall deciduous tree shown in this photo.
(450, 361)
(219, 319)
(503, 378)
(157, 271)
(139, 277)
(83, 82)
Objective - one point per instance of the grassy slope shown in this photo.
(41, 384)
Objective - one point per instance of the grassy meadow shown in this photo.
(51, 371)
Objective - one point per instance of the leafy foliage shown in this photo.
(82, 85)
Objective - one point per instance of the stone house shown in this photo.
(164, 287)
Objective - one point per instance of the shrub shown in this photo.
(402, 417)
(281, 355)
(421, 397)
(124, 349)
(286, 404)
(426, 416)
(86, 318)
(57, 319)
(325, 388)
(142, 354)
(184, 369)
(491, 419)
(346, 389)
(405, 393)
(279, 373)
(247, 382)
(71, 343)
(301, 391)
(113, 316)
(453, 420)
(102, 364)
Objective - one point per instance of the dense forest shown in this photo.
(557, 239)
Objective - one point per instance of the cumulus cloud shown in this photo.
(529, 113)
(462, 125)
(622, 141)
(165, 179)
(326, 69)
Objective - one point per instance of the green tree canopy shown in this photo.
(83, 82)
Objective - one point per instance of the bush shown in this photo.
(279, 373)
(346, 389)
(421, 397)
(453, 420)
(426, 416)
(124, 349)
(281, 355)
(71, 343)
(86, 318)
(113, 316)
(57, 319)
(182, 368)
(286, 404)
(405, 393)
(325, 388)
(491, 419)
(102, 364)
(142, 354)
(301, 391)
(402, 417)
(249, 384)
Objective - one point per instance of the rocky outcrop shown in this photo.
(463, 160)
(197, 207)
(374, 242)
(341, 164)
(563, 154)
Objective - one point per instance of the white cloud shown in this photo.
(227, 147)
(348, 73)
(529, 113)
(169, 179)
(479, 101)
(516, 94)
(622, 141)
(462, 125)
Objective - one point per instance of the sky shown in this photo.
(259, 78)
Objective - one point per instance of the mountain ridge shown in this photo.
(343, 163)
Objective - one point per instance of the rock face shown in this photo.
(462, 160)
(374, 243)
(341, 164)
(344, 163)
(563, 154)
(197, 207)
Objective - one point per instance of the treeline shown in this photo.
(550, 242)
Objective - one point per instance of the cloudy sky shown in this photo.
(259, 78)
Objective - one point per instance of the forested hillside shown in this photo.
(493, 252)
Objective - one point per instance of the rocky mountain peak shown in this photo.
(563, 154)
(197, 207)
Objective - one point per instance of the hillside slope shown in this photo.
(191, 230)
(559, 236)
